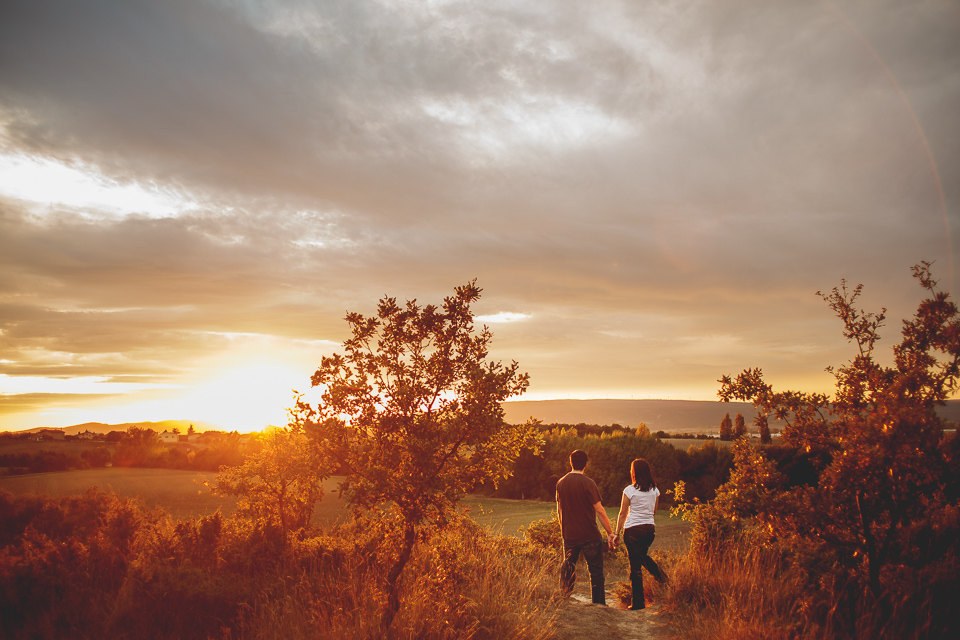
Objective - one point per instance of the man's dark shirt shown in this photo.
(576, 495)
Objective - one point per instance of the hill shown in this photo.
(672, 416)
(99, 427)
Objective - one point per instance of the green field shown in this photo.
(22, 445)
(183, 495)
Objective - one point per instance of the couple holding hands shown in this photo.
(578, 506)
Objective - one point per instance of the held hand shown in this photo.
(612, 541)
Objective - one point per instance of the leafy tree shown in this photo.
(882, 506)
(411, 412)
(726, 428)
(739, 427)
(278, 483)
(139, 447)
(763, 426)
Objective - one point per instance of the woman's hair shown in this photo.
(641, 475)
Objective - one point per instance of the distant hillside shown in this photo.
(99, 427)
(672, 416)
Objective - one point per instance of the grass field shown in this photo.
(12, 446)
(183, 494)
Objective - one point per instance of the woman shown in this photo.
(639, 503)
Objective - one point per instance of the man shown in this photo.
(578, 505)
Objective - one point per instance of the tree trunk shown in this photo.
(393, 577)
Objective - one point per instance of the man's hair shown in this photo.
(578, 460)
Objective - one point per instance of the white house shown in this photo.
(168, 437)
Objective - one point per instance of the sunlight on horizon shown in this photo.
(248, 398)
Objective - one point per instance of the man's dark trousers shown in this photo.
(592, 551)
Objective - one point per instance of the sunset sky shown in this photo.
(193, 194)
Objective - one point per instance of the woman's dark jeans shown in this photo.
(638, 540)
(593, 553)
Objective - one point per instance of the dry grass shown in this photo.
(462, 584)
(737, 594)
(744, 593)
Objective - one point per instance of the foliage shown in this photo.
(411, 412)
(98, 566)
(278, 483)
(545, 534)
(763, 426)
(739, 427)
(535, 474)
(865, 499)
(726, 428)
(462, 583)
(139, 448)
(101, 566)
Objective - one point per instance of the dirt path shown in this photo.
(579, 619)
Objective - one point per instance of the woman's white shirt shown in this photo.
(642, 505)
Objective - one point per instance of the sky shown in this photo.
(194, 193)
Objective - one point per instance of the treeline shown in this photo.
(611, 449)
(137, 447)
(45, 461)
(143, 448)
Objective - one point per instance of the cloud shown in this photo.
(14, 404)
(656, 188)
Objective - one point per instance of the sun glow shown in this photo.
(245, 399)
(248, 398)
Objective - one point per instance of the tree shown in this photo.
(277, 484)
(411, 413)
(884, 508)
(739, 427)
(763, 427)
(726, 428)
(139, 447)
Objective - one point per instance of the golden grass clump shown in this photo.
(461, 583)
(736, 593)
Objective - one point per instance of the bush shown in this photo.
(535, 475)
(545, 534)
(100, 566)
(857, 514)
